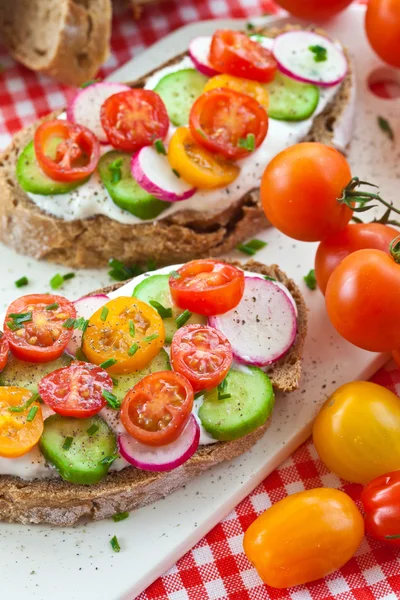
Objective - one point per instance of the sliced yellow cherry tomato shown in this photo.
(238, 84)
(196, 165)
(20, 429)
(125, 337)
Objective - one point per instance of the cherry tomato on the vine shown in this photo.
(381, 502)
(300, 190)
(382, 24)
(358, 236)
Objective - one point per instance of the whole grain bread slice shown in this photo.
(60, 503)
(66, 39)
(180, 237)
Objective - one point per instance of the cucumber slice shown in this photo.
(80, 462)
(127, 193)
(32, 179)
(156, 287)
(250, 404)
(178, 91)
(27, 375)
(291, 100)
(123, 383)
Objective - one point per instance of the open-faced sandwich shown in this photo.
(116, 400)
(170, 166)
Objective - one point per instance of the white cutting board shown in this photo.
(70, 564)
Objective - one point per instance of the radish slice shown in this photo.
(262, 327)
(154, 174)
(295, 57)
(199, 51)
(85, 307)
(84, 108)
(161, 458)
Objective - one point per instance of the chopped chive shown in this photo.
(80, 355)
(131, 328)
(57, 281)
(310, 280)
(69, 323)
(133, 349)
(32, 414)
(112, 400)
(183, 318)
(151, 264)
(115, 544)
(92, 429)
(250, 26)
(90, 82)
(175, 172)
(67, 443)
(13, 326)
(165, 313)
(121, 272)
(175, 274)
(386, 127)
(320, 53)
(120, 517)
(199, 394)
(21, 317)
(248, 143)
(160, 148)
(115, 381)
(68, 276)
(53, 306)
(200, 132)
(115, 168)
(222, 394)
(150, 338)
(396, 536)
(34, 398)
(104, 313)
(108, 460)
(108, 363)
(21, 282)
(268, 278)
(251, 246)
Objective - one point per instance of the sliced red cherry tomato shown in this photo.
(202, 354)
(66, 151)
(4, 350)
(156, 410)
(207, 287)
(77, 390)
(235, 53)
(134, 119)
(34, 327)
(228, 122)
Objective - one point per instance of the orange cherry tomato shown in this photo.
(134, 119)
(235, 53)
(358, 236)
(363, 300)
(382, 23)
(128, 339)
(239, 84)
(66, 151)
(156, 410)
(228, 123)
(34, 327)
(199, 166)
(304, 537)
(202, 354)
(19, 432)
(314, 10)
(299, 191)
(207, 287)
(4, 350)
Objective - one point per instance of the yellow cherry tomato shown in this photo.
(357, 432)
(304, 537)
(198, 166)
(238, 84)
(20, 429)
(126, 338)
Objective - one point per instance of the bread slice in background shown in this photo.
(66, 39)
(61, 503)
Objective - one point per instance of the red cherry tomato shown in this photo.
(66, 151)
(314, 10)
(227, 122)
(207, 287)
(35, 330)
(234, 53)
(4, 350)
(134, 119)
(381, 502)
(202, 354)
(77, 390)
(382, 23)
(156, 410)
(337, 246)
(363, 300)
(300, 188)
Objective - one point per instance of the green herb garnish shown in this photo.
(79, 323)
(92, 429)
(165, 313)
(150, 338)
(90, 82)
(248, 143)
(386, 127)
(131, 328)
(32, 414)
(320, 53)
(34, 398)
(222, 393)
(53, 306)
(67, 443)
(176, 173)
(250, 26)
(120, 517)
(175, 274)
(396, 536)
(160, 148)
(251, 247)
(310, 280)
(115, 168)
(17, 320)
(21, 282)
(108, 460)
(268, 278)
(133, 349)
(183, 318)
(108, 363)
(121, 272)
(151, 264)
(115, 544)
(57, 281)
(200, 132)
(111, 399)
(104, 313)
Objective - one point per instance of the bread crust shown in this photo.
(61, 503)
(180, 237)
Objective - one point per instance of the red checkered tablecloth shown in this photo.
(216, 568)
